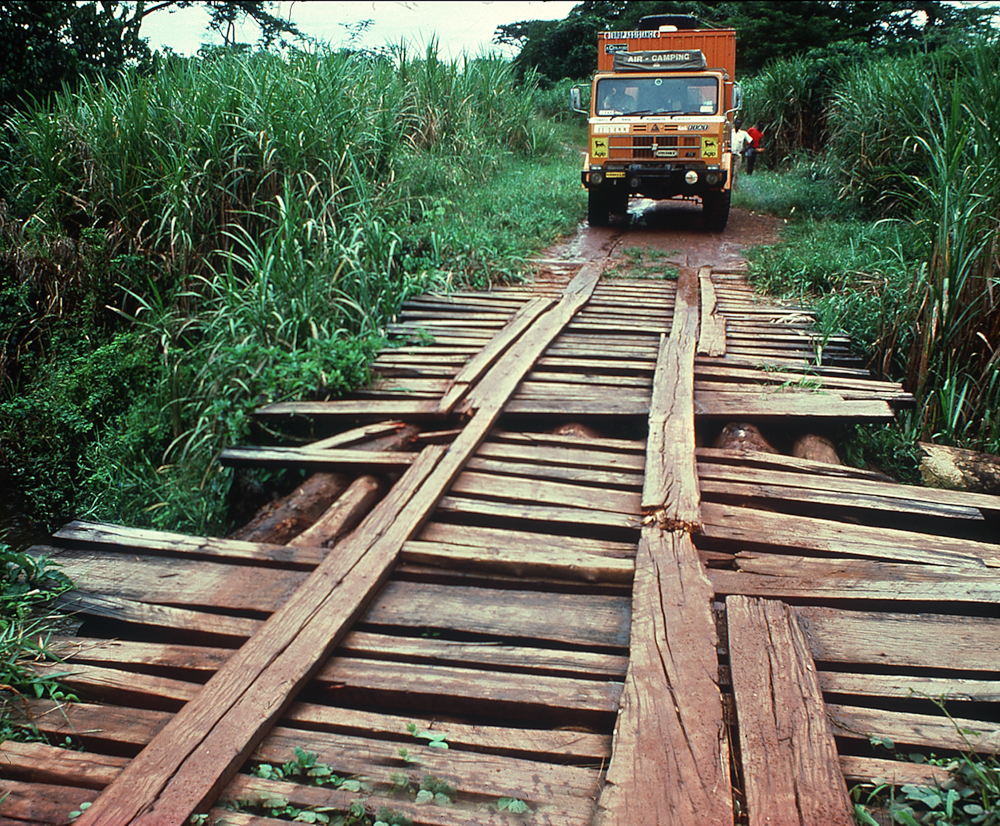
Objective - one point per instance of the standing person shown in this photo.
(741, 140)
(756, 133)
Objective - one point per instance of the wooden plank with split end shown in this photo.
(670, 493)
(712, 336)
(791, 772)
(669, 762)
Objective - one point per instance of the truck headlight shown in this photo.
(712, 178)
(691, 177)
(597, 178)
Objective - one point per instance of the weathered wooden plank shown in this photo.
(756, 528)
(181, 583)
(712, 335)
(101, 535)
(477, 536)
(188, 763)
(309, 457)
(552, 564)
(669, 760)
(191, 663)
(41, 803)
(779, 405)
(922, 640)
(537, 513)
(574, 619)
(876, 771)
(906, 686)
(762, 494)
(158, 616)
(359, 435)
(586, 475)
(957, 504)
(579, 407)
(787, 576)
(420, 409)
(479, 363)
(791, 775)
(544, 491)
(750, 458)
(908, 729)
(670, 492)
(432, 687)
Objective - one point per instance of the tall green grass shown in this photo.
(914, 138)
(253, 221)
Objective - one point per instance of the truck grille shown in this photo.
(633, 147)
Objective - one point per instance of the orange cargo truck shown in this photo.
(660, 123)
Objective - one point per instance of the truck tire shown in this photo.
(598, 208)
(715, 210)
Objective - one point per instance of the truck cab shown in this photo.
(659, 119)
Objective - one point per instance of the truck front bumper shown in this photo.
(658, 182)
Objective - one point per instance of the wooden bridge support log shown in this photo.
(279, 521)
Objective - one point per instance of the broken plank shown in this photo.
(790, 771)
(669, 763)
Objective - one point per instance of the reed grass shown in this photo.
(913, 138)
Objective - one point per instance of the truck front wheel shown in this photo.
(598, 207)
(715, 210)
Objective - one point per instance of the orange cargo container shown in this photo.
(662, 103)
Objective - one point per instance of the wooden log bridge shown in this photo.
(536, 592)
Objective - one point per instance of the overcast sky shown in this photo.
(461, 27)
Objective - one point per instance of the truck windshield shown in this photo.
(657, 95)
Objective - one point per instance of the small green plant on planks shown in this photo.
(307, 769)
(28, 585)
(972, 798)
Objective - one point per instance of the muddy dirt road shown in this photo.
(673, 228)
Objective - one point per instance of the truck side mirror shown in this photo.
(737, 96)
(575, 100)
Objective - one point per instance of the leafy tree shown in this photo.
(765, 29)
(44, 45)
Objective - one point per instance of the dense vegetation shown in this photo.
(179, 248)
(907, 259)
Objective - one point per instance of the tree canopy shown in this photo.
(765, 29)
(43, 45)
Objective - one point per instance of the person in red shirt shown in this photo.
(756, 133)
